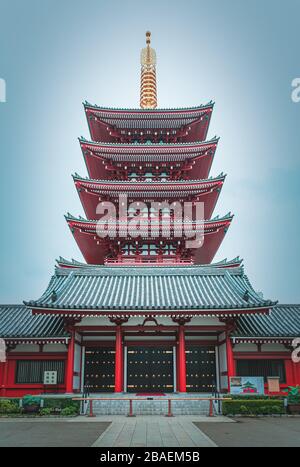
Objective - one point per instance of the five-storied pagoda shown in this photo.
(146, 312)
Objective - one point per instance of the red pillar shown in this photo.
(4, 368)
(230, 359)
(70, 363)
(119, 360)
(181, 359)
(177, 367)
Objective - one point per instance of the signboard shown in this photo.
(50, 377)
(247, 385)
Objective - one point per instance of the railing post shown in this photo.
(91, 413)
(211, 408)
(169, 414)
(130, 414)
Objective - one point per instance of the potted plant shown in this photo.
(293, 399)
(31, 404)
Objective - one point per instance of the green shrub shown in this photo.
(253, 397)
(45, 411)
(57, 404)
(276, 409)
(293, 394)
(244, 409)
(70, 410)
(8, 406)
(253, 407)
(30, 400)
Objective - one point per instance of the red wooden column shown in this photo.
(230, 359)
(180, 354)
(70, 362)
(119, 360)
(177, 367)
(181, 359)
(4, 369)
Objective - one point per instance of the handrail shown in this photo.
(168, 399)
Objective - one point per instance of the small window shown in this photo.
(32, 371)
(261, 367)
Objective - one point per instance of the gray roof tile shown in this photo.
(282, 321)
(145, 288)
(18, 321)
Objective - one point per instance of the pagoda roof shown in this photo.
(122, 152)
(91, 192)
(172, 110)
(88, 226)
(153, 188)
(18, 321)
(106, 124)
(109, 290)
(73, 263)
(215, 221)
(282, 322)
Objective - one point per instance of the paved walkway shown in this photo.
(255, 432)
(110, 431)
(155, 431)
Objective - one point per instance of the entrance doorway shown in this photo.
(200, 368)
(150, 369)
(99, 369)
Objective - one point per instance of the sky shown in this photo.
(243, 55)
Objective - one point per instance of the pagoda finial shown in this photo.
(148, 76)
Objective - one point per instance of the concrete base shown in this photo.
(118, 404)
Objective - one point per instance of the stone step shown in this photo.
(149, 407)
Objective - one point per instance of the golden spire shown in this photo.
(148, 76)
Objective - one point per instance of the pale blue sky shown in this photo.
(241, 54)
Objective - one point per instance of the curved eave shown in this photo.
(149, 147)
(80, 222)
(138, 186)
(187, 290)
(85, 310)
(139, 111)
(65, 263)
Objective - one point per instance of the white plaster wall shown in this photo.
(96, 321)
(54, 348)
(245, 348)
(76, 382)
(26, 348)
(200, 338)
(206, 321)
(77, 366)
(223, 362)
(273, 348)
(77, 358)
(98, 338)
(149, 338)
(78, 337)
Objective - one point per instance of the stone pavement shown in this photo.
(51, 432)
(109, 431)
(155, 431)
(255, 432)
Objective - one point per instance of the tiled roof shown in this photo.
(144, 288)
(18, 321)
(146, 111)
(150, 151)
(283, 321)
(187, 184)
(224, 263)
